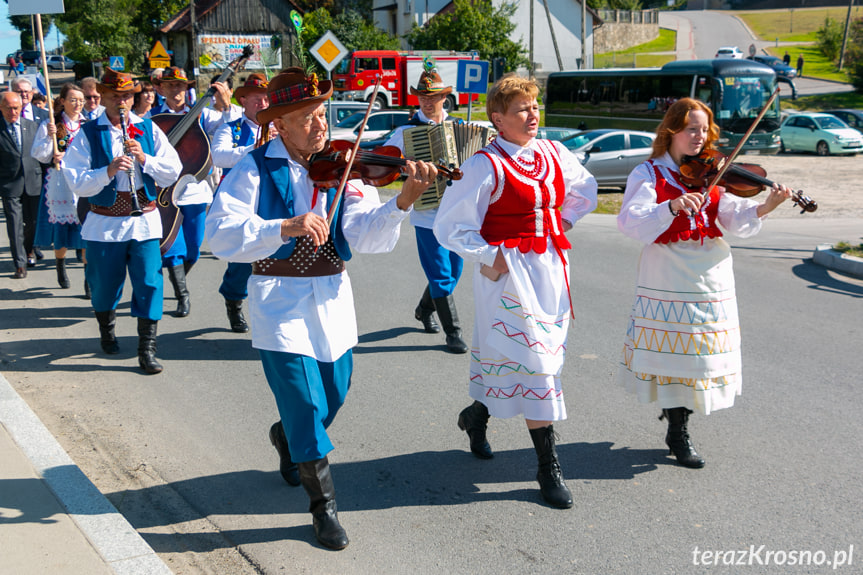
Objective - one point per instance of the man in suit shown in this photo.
(20, 179)
(29, 111)
(93, 107)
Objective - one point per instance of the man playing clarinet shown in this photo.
(103, 166)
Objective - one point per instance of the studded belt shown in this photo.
(123, 205)
(305, 261)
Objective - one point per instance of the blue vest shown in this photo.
(99, 138)
(241, 136)
(276, 201)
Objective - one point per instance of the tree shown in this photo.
(854, 57)
(830, 38)
(473, 26)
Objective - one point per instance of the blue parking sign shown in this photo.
(116, 63)
(472, 76)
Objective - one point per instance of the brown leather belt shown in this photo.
(304, 262)
(123, 205)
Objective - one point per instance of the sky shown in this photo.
(10, 38)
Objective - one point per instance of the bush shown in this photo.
(830, 39)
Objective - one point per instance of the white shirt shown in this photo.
(95, 113)
(466, 203)
(43, 143)
(225, 155)
(642, 219)
(164, 167)
(312, 316)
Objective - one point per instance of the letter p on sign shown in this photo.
(472, 76)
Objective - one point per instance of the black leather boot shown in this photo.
(235, 316)
(448, 315)
(318, 483)
(187, 267)
(425, 313)
(86, 284)
(147, 346)
(62, 277)
(107, 320)
(551, 484)
(178, 279)
(677, 438)
(287, 468)
(474, 420)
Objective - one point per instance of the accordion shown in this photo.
(448, 144)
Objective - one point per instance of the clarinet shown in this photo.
(136, 205)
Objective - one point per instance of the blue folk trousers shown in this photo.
(107, 263)
(308, 394)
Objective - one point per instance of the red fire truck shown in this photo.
(355, 76)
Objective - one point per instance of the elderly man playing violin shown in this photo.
(682, 344)
(270, 213)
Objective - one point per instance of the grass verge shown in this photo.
(846, 248)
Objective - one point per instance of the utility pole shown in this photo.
(532, 74)
(553, 38)
(845, 38)
(194, 40)
(583, 34)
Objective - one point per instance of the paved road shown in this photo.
(184, 455)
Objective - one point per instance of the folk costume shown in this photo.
(301, 306)
(191, 199)
(57, 224)
(442, 267)
(514, 199)
(682, 344)
(115, 239)
(231, 142)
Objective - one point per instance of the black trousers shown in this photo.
(21, 214)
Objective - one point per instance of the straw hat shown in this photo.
(254, 83)
(118, 82)
(290, 90)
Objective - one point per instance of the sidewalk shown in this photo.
(52, 518)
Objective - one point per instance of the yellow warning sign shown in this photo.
(159, 57)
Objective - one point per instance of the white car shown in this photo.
(729, 52)
(56, 62)
(380, 123)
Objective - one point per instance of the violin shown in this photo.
(379, 167)
(744, 180)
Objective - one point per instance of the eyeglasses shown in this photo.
(75, 101)
(94, 97)
(23, 92)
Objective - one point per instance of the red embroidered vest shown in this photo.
(524, 207)
(685, 227)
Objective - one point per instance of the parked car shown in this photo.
(610, 155)
(854, 118)
(57, 62)
(342, 110)
(379, 123)
(729, 52)
(781, 68)
(548, 133)
(823, 134)
(29, 57)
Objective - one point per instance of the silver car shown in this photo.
(610, 155)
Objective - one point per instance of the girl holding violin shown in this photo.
(682, 345)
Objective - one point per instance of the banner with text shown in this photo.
(219, 50)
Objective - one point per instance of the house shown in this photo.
(398, 16)
(223, 28)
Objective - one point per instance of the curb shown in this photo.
(826, 256)
(114, 538)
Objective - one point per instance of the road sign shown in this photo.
(159, 56)
(116, 63)
(472, 76)
(328, 51)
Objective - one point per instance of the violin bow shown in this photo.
(340, 190)
(740, 144)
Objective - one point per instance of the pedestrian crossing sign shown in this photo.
(116, 63)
